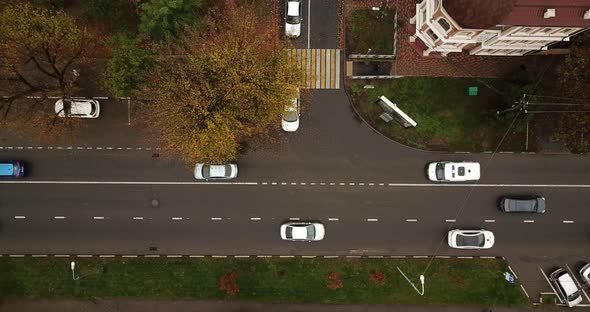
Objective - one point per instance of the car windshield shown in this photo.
(440, 171)
(293, 19)
(290, 115)
(573, 296)
(310, 232)
(206, 171)
(289, 232)
(473, 241)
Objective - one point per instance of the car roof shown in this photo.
(299, 232)
(217, 171)
(567, 283)
(293, 8)
(6, 169)
(471, 170)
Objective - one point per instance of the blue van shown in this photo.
(12, 169)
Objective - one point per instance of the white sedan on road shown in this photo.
(215, 172)
(471, 239)
(453, 171)
(303, 231)
(78, 108)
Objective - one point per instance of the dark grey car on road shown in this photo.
(530, 204)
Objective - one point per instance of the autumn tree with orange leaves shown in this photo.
(215, 88)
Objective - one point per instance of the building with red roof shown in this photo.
(496, 27)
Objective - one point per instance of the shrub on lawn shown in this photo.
(229, 283)
(334, 281)
(377, 277)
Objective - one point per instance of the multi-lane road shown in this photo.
(114, 192)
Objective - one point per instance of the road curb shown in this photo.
(247, 256)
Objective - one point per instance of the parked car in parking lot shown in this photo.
(78, 108)
(453, 171)
(531, 204)
(303, 231)
(470, 239)
(293, 18)
(215, 172)
(585, 273)
(566, 288)
(12, 169)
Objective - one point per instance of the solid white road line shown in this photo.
(128, 183)
(524, 290)
(308, 22)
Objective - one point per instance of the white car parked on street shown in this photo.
(293, 18)
(290, 115)
(303, 231)
(79, 108)
(215, 172)
(453, 171)
(471, 239)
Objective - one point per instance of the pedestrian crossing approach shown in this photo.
(320, 67)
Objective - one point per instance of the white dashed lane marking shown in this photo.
(372, 220)
(489, 221)
(450, 220)
(176, 218)
(59, 217)
(568, 221)
(411, 220)
(333, 219)
(216, 219)
(20, 217)
(137, 218)
(98, 218)
(528, 221)
(255, 219)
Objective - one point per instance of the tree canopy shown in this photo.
(160, 19)
(573, 81)
(38, 51)
(216, 88)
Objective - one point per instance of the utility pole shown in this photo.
(520, 106)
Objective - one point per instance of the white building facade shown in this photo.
(442, 34)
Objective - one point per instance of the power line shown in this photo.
(471, 189)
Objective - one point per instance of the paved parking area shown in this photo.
(533, 273)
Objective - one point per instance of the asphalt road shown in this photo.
(113, 191)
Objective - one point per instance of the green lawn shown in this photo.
(288, 280)
(368, 29)
(448, 118)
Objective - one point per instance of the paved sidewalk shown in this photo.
(209, 306)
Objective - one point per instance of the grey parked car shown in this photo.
(530, 204)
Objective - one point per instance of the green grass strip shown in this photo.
(285, 280)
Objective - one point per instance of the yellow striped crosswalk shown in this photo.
(320, 67)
